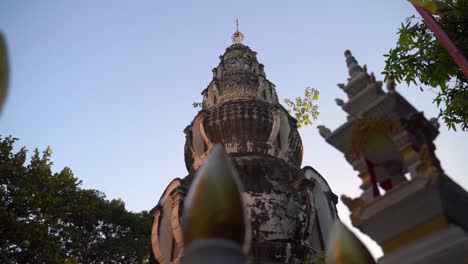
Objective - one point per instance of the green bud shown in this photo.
(345, 248)
(214, 206)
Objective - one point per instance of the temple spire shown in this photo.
(237, 37)
(351, 62)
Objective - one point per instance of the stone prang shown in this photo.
(291, 209)
(240, 109)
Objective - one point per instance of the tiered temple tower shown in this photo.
(291, 209)
(409, 206)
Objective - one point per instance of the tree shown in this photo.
(419, 58)
(305, 110)
(47, 217)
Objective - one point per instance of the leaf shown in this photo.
(433, 6)
(304, 108)
(4, 71)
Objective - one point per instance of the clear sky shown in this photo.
(109, 84)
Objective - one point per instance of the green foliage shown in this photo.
(46, 217)
(305, 110)
(419, 58)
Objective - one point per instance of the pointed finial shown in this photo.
(237, 37)
(350, 60)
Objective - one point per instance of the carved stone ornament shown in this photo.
(364, 126)
(168, 244)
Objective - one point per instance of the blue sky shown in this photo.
(109, 85)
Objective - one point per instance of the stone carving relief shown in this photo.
(211, 96)
(199, 145)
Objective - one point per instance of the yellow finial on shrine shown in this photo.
(237, 37)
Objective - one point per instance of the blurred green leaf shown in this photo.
(437, 7)
(4, 71)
